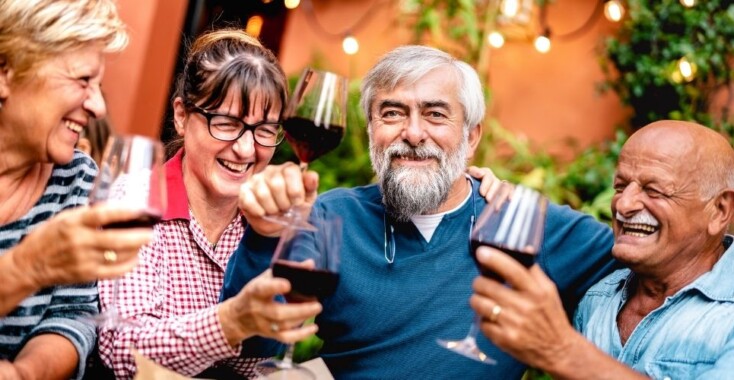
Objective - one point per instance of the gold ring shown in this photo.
(110, 256)
(274, 327)
(495, 313)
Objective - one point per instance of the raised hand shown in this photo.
(272, 192)
(255, 311)
(72, 247)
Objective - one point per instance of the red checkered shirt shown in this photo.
(173, 294)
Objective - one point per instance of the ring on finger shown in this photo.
(274, 327)
(110, 256)
(495, 313)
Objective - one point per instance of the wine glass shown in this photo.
(314, 124)
(309, 259)
(131, 175)
(515, 226)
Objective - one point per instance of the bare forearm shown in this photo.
(583, 360)
(17, 284)
(47, 356)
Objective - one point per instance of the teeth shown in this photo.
(638, 229)
(233, 166)
(74, 126)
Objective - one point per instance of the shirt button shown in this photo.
(666, 378)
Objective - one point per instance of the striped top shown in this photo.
(55, 309)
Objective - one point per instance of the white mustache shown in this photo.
(642, 217)
(421, 152)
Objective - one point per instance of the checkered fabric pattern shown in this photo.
(173, 293)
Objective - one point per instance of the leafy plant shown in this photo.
(642, 60)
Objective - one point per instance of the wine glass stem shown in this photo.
(474, 328)
(288, 357)
(115, 297)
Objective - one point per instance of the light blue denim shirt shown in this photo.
(690, 336)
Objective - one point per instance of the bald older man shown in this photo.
(670, 313)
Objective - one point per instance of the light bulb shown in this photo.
(292, 4)
(254, 25)
(687, 69)
(495, 39)
(688, 3)
(613, 10)
(350, 45)
(510, 8)
(542, 44)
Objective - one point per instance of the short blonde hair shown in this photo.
(32, 31)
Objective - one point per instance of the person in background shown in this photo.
(227, 112)
(93, 139)
(52, 56)
(668, 314)
(406, 267)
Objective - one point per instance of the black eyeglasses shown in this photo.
(230, 128)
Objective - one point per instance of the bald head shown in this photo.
(698, 151)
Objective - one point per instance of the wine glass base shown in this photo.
(280, 370)
(296, 217)
(468, 348)
(111, 320)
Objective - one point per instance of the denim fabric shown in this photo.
(690, 336)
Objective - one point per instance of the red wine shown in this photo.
(309, 141)
(148, 219)
(306, 283)
(525, 258)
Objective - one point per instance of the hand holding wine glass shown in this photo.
(314, 123)
(515, 226)
(131, 176)
(309, 259)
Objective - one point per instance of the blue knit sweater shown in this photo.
(384, 319)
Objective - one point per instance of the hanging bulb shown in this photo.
(687, 69)
(292, 4)
(614, 11)
(542, 42)
(254, 26)
(688, 3)
(510, 8)
(496, 39)
(350, 45)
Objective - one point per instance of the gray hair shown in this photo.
(406, 65)
(32, 31)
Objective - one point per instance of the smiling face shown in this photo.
(214, 169)
(419, 144)
(663, 220)
(44, 113)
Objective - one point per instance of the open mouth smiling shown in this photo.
(234, 167)
(639, 229)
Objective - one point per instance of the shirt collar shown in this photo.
(178, 201)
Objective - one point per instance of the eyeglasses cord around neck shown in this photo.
(390, 244)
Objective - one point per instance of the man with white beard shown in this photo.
(668, 315)
(406, 266)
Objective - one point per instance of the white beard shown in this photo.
(409, 191)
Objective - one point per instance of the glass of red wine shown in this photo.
(309, 259)
(515, 226)
(131, 175)
(314, 123)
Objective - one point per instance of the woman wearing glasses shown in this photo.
(227, 112)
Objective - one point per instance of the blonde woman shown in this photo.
(51, 65)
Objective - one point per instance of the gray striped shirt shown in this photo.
(56, 309)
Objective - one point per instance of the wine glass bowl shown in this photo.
(314, 122)
(131, 175)
(315, 118)
(515, 226)
(309, 260)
